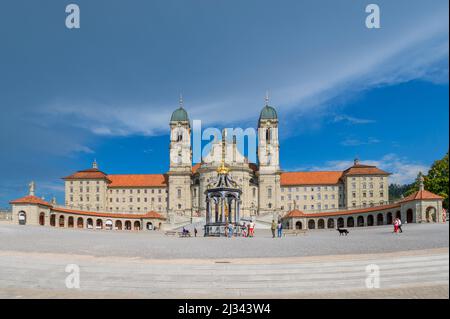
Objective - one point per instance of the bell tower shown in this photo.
(180, 171)
(268, 146)
(268, 159)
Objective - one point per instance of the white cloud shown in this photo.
(311, 82)
(403, 170)
(351, 119)
(358, 142)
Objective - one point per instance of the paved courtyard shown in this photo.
(413, 264)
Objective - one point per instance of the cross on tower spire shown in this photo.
(266, 99)
(181, 100)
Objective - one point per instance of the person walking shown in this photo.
(399, 225)
(252, 229)
(273, 228)
(395, 225)
(195, 232)
(230, 230)
(280, 229)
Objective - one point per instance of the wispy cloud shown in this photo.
(351, 119)
(404, 54)
(359, 142)
(402, 169)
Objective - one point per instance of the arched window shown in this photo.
(42, 219)
(268, 135)
(321, 224)
(298, 225)
(330, 223)
(22, 218)
(370, 220)
(61, 221)
(350, 222)
(360, 221)
(380, 219)
(70, 222)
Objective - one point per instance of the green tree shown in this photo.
(436, 180)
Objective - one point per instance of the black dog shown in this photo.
(342, 231)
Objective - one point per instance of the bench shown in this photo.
(170, 233)
(294, 232)
(181, 234)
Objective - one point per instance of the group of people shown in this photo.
(278, 227)
(397, 225)
(246, 230)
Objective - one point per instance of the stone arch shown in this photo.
(409, 216)
(430, 214)
(330, 223)
(80, 223)
(22, 216)
(380, 219)
(53, 220)
(127, 225)
(118, 225)
(321, 223)
(137, 225)
(70, 222)
(109, 224)
(340, 222)
(89, 223)
(311, 224)
(298, 225)
(370, 220)
(398, 215)
(99, 224)
(360, 221)
(389, 218)
(61, 221)
(350, 222)
(149, 226)
(42, 219)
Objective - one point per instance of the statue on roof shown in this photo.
(32, 187)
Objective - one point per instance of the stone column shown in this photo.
(222, 209)
(208, 213)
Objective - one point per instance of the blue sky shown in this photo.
(107, 90)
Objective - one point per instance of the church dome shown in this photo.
(179, 114)
(268, 113)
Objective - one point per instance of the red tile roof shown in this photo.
(421, 195)
(30, 200)
(360, 169)
(297, 213)
(91, 173)
(196, 167)
(138, 180)
(150, 214)
(310, 178)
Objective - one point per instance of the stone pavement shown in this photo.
(416, 274)
(33, 266)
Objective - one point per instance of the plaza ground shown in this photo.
(320, 263)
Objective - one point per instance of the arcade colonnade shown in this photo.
(408, 214)
(32, 214)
